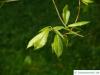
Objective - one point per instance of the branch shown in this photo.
(78, 14)
(58, 13)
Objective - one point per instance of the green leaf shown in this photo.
(39, 40)
(43, 29)
(58, 27)
(9, 0)
(57, 45)
(28, 60)
(65, 14)
(75, 33)
(86, 2)
(78, 24)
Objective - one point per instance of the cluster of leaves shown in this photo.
(59, 38)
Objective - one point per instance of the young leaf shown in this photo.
(58, 33)
(39, 40)
(65, 14)
(9, 0)
(86, 2)
(75, 33)
(78, 24)
(43, 29)
(57, 45)
(28, 60)
(58, 27)
(56, 30)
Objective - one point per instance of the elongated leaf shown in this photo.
(66, 14)
(86, 2)
(78, 24)
(57, 46)
(58, 27)
(75, 33)
(45, 28)
(58, 33)
(8, 0)
(56, 30)
(39, 40)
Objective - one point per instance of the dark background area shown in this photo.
(21, 20)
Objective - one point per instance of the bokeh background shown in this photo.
(21, 20)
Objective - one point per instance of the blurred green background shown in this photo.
(21, 20)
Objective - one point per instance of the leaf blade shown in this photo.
(57, 45)
(75, 33)
(39, 40)
(58, 27)
(10, 0)
(78, 24)
(86, 2)
(66, 14)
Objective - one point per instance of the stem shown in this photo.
(58, 13)
(78, 14)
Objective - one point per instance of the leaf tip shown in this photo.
(28, 46)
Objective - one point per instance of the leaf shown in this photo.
(58, 27)
(75, 33)
(28, 60)
(78, 24)
(57, 32)
(57, 45)
(10, 0)
(43, 29)
(86, 2)
(39, 40)
(65, 14)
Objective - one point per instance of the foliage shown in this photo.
(57, 46)
(20, 21)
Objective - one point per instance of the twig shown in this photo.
(78, 14)
(58, 13)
